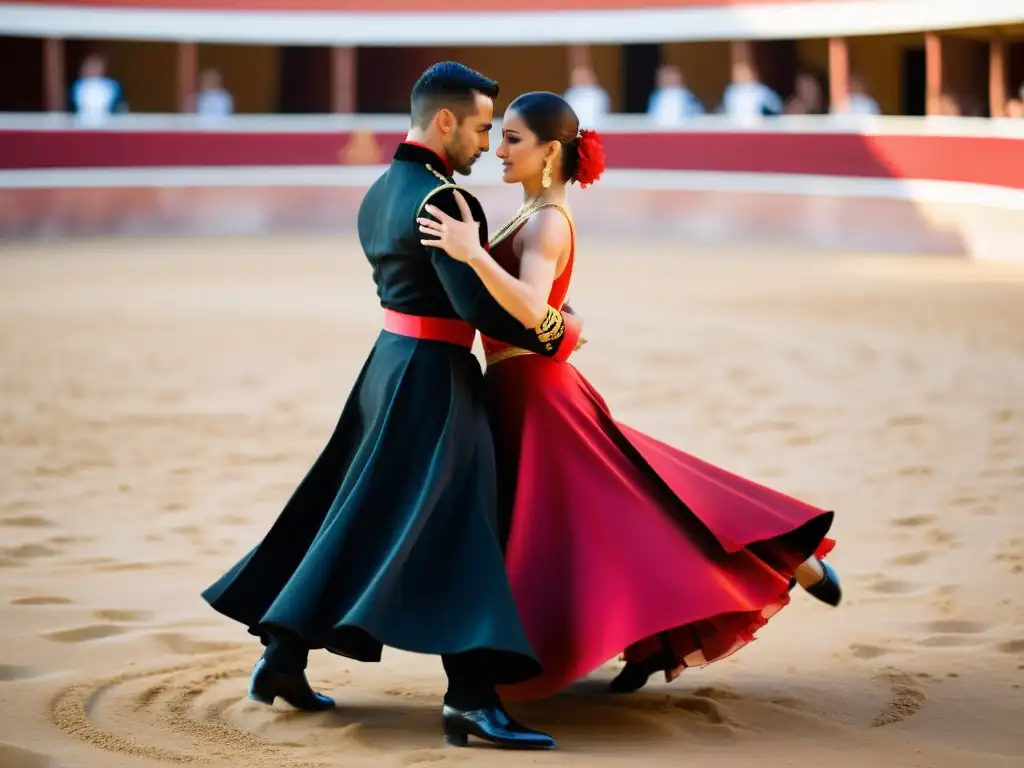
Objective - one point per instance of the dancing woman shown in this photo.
(616, 543)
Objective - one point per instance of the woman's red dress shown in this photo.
(615, 538)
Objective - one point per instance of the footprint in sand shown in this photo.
(938, 536)
(28, 552)
(1012, 556)
(114, 614)
(708, 709)
(85, 634)
(1011, 646)
(951, 633)
(906, 700)
(946, 641)
(19, 757)
(886, 586)
(907, 420)
(9, 672)
(176, 642)
(913, 521)
(956, 626)
(125, 567)
(64, 540)
(719, 693)
(862, 651)
(42, 600)
(913, 558)
(916, 471)
(965, 500)
(26, 521)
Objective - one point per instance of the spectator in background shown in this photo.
(1015, 107)
(747, 98)
(858, 101)
(671, 101)
(212, 100)
(94, 96)
(808, 95)
(588, 99)
(949, 105)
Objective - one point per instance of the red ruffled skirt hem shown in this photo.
(617, 542)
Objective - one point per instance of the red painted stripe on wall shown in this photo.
(995, 161)
(420, 6)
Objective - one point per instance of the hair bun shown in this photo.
(590, 163)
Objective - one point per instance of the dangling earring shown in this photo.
(545, 180)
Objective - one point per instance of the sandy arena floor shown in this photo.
(159, 400)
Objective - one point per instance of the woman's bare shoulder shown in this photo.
(549, 229)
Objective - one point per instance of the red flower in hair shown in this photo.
(591, 158)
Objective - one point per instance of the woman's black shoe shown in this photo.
(635, 674)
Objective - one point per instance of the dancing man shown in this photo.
(392, 537)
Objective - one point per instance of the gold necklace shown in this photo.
(524, 213)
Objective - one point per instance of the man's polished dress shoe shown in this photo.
(268, 684)
(492, 724)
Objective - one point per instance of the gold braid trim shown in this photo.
(523, 214)
(446, 183)
(444, 179)
(506, 354)
(434, 191)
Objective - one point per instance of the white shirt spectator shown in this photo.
(750, 100)
(94, 98)
(589, 102)
(214, 103)
(668, 106)
(858, 104)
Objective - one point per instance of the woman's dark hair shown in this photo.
(550, 117)
(448, 85)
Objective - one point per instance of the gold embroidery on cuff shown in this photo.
(552, 327)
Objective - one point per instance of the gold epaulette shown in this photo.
(446, 183)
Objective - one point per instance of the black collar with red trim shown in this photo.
(414, 152)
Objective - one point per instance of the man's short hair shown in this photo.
(448, 85)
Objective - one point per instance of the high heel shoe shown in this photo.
(634, 674)
(828, 589)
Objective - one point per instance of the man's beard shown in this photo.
(461, 165)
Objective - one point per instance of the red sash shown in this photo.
(444, 329)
